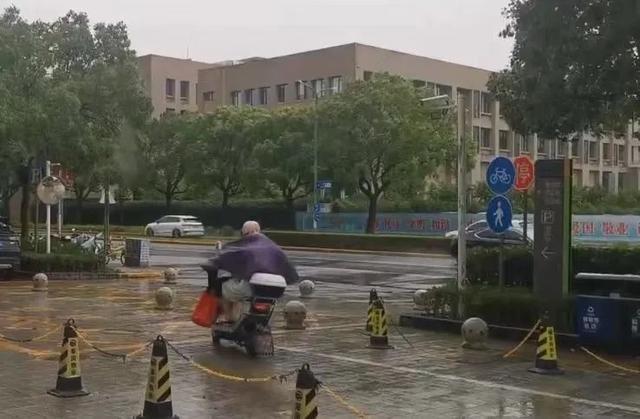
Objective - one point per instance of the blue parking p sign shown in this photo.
(499, 214)
(500, 175)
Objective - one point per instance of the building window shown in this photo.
(318, 87)
(282, 92)
(335, 84)
(593, 150)
(263, 95)
(620, 182)
(442, 89)
(542, 149)
(184, 91)
(170, 111)
(485, 101)
(235, 98)
(301, 91)
(418, 84)
(476, 136)
(485, 137)
(524, 142)
(170, 89)
(575, 148)
(476, 104)
(606, 151)
(207, 96)
(367, 75)
(621, 157)
(248, 97)
(504, 140)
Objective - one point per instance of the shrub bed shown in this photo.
(360, 241)
(482, 263)
(515, 307)
(60, 262)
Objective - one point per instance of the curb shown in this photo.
(140, 275)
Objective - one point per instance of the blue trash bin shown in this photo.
(600, 322)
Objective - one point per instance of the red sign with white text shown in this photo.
(524, 173)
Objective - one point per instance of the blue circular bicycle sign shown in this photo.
(500, 175)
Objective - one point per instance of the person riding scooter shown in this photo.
(230, 272)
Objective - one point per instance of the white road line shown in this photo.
(481, 383)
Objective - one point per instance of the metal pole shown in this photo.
(107, 204)
(48, 173)
(462, 202)
(525, 222)
(315, 160)
(60, 210)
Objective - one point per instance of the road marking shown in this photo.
(473, 381)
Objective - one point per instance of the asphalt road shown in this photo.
(362, 269)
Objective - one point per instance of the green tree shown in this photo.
(168, 149)
(224, 154)
(285, 158)
(574, 66)
(378, 135)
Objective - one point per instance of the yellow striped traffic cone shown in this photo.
(157, 402)
(69, 382)
(379, 337)
(373, 296)
(306, 387)
(546, 353)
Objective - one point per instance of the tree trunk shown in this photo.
(24, 211)
(168, 199)
(79, 207)
(373, 212)
(225, 200)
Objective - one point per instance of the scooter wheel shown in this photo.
(215, 339)
(250, 346)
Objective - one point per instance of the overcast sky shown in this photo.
(462, 31)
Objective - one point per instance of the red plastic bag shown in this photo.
(206, 311)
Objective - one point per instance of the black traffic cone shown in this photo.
(306, 386)
(157, 401)
(379, 337)
(546, 353)
(69, 382)
(373, 296)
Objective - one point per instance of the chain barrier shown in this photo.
(121, 356)
(526, 338)
(34, 339)
(357, 412)
(395, 326)
(282, 378)
(609, 363)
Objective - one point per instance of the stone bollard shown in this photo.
(171, 276)
(474, 333)
(294, 314)
(40, 282)
(420, 299)
(306, 288)
(164, 298)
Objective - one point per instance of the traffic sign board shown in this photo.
(323, 184)
(499, 214)
(525, 173)
(500, 175)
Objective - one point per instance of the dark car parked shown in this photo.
(483, 236)
(10, 252)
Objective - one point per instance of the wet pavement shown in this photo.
(426, 375)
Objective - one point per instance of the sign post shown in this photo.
(500, 178)
(525, 174)
(552, 245)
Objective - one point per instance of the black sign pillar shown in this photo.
(552, 231)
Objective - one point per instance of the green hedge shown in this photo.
(139, 213)
(516, 307)
(482, 263)
(57, 262)
(376, 242)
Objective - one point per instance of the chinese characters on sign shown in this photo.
(524, 173)
(590, 321)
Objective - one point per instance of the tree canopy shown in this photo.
(574, 66)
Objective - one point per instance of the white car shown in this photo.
(175, 226)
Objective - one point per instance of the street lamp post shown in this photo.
(316, 122)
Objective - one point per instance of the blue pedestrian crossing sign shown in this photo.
(500, 175)
(499, 214)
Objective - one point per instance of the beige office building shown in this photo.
(613, 162)
(170, 83)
